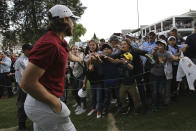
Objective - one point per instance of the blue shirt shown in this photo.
(173, 51)
(5, 67)
(148, 46)
(134, 44)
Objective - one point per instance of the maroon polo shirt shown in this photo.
(51, 54)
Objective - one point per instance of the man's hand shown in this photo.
(31, 84)
(75, 58)
(57, 107)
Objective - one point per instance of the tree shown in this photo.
(95, 37)
(9, 39)
(78, 31)
(4, 19)
(29, 17)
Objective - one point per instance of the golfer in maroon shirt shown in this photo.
(43, 79)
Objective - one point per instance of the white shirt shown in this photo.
(77, 68)
(20, 65)
(188, 68)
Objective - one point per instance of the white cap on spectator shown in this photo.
(130, 34)
(82, 93)
(171, 37)
(162, 41)
(61, 11)
(173, 28)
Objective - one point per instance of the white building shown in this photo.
(184, 23)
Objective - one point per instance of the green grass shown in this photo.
(180, 116)
(8, 112)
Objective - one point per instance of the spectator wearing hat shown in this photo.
(175, 50)
(191, 49)
(174, 32)
(132, 39)
(5, 66)
(148, 46)
(111, 78)
(19, 67)
(102, 42)
(163, 37)
(44, 76)
(114, 41)
(161, 56)
(145, 39)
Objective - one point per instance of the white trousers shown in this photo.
(44, 119)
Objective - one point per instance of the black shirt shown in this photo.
(191, 49)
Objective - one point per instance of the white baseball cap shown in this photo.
(130, 34)
(173, 28)
(82, 93)
(171, 37)
(162, 41)
(61, 11)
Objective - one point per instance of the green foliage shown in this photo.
(78, 31)
(28, 18)
(95, 38)
(10, 39)
(4, 17)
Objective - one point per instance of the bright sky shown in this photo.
(104, 17)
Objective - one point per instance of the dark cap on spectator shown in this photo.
(106, 46)
(102, 40)
(27, 47)
(152, 32)
(114, 38)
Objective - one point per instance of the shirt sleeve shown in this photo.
(43, 55)
(23, 63)
(7, 62)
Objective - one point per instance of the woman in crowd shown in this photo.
(94, 74)
(77, 80)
